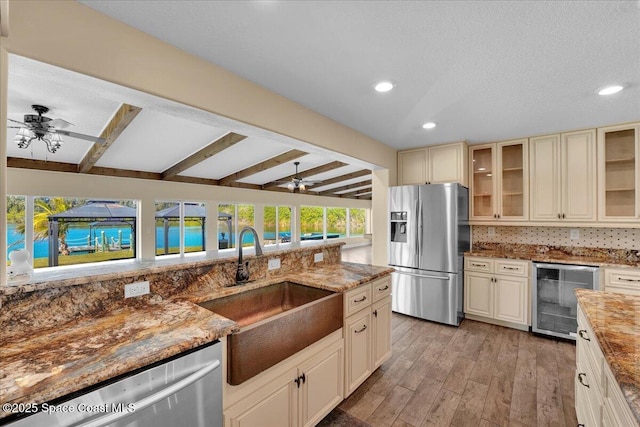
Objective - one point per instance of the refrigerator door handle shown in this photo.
(418, 233)
(424, 275)
(420, 229)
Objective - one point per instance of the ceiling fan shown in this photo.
(297, 183)
(46, 130)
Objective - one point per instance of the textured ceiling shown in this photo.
(482, 70)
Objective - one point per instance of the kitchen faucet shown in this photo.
(242, 273)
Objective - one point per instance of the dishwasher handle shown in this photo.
(154, 398)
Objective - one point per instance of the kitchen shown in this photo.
(26, 41)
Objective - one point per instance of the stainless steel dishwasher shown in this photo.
(182, 391)
(554, 301)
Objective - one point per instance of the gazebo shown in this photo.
(97, 213)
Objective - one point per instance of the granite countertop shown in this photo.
(134, 334)
(555, 256)
(614, 320)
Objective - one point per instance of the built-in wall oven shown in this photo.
(554, 304)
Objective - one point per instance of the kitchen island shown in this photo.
(608, 358)
(62, 336)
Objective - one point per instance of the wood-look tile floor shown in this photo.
(474, 375)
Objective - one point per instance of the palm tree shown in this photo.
(43, 210)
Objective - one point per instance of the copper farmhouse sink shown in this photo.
(276, 322)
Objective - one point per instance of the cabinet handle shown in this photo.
(562, 216)
(304, 378)
(364, 328)
(364, 297)
(559, 216)
(580, 379)
(622, 279)
(383, 289)
(510, 268)
(498, 216)
(473, 264)
(297, 381)
(300, 380)
(375, 313)
(583, 334)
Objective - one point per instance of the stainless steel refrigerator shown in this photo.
(429, 235)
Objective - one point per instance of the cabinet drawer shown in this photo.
(381, 288)
(588, 349)
(512, 268)
(357, 299)
(482, 265)
(625, 281)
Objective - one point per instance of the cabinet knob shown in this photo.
(562, 216)
(375, 313)
(559, 216)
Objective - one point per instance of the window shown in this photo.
(180, 227)
(231, 219)
(336, 223)
(357, 222)
(277, 224)
(82, 231)
(311, 223)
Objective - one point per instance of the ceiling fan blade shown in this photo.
(78, 135)
(15, 121)
(16, 127)
(59, 123)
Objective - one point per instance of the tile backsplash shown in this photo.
(611, 238)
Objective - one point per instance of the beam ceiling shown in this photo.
(262, 166)
(345, 187)
(310, 172)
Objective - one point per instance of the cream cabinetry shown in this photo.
(432, 165)
(563, 177)
(496, 291)
(299, 391)
(499, 190)
(367, 331)
(622, 280)
(598, 398)
(619, 173)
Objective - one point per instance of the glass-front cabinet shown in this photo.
(499, 184)
(619, 172)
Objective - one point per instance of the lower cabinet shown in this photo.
(367, 331)
(598, 398)
(622, 280)
(299, 395)
(497, 289)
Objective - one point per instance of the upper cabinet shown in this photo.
(432, 165)
(499, 189)
(619, 173)
(563, 177)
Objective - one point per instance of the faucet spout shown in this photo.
(242, 272)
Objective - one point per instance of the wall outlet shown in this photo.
(574, 234)
(318, 257)
(136, 289)
(274, 263)
(491, 231)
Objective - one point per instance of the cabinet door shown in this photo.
(446, 163)
(323, 386)
(619, 173)
(483, 189)
(510, 303)
(357, 350)
(513, 180)
(578, 175)
(544, 183)
(478, 290)
(381, 320)
(412, 167)
(274, 405)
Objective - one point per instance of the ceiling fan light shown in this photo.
(291, 186)
(302, 187)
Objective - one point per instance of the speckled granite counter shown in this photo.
(62, 339)
(559, 254)
(615, 319)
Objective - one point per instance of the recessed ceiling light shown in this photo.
(429, 125)
(610, 90)
(384, 86)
